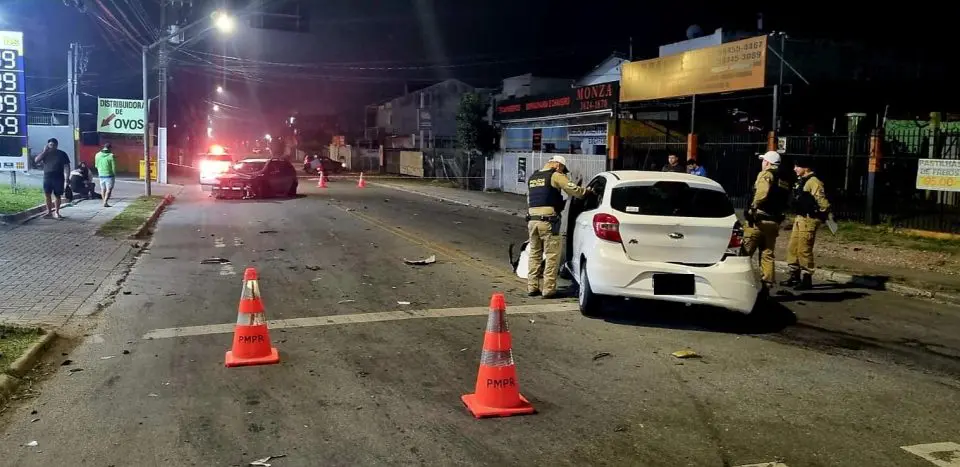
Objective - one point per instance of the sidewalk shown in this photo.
(51, 267)
(838, 258)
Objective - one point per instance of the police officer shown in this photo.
(770, 195)
(545, 203)
(812, 209)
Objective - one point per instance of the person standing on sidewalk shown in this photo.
(56, 167)
(770, 195)
(812, 209)
(545, 204)
(107, 171)
(673, 165)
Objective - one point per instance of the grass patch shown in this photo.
(24, 198)
(132, 216)
(14, 342)
(885, 236)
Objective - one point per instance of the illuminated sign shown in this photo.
(594, 98)
(13, 101)
(734, 66)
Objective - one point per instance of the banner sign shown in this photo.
(938, 174)
(597, 97)
(734, 66)
(120, 116)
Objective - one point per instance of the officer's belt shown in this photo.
(550, 218)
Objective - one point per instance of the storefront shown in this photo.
(575, 123)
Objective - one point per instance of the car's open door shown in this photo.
(568, 221)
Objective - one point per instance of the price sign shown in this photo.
(13, 102)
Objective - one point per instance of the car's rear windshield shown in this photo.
(671, 199)
(248, 167)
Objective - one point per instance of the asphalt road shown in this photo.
(838, 376)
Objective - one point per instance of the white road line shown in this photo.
(226, 269)
(360, 318)
(765, 464)
(237, 241)
(219, 243)
(945, 454)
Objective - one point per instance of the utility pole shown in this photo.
(73, 112)
(162, 109)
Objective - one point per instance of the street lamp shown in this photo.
(216, 108)
(219, 89)
(223, 22)
(268, 137)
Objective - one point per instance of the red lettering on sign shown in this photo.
(509, 108)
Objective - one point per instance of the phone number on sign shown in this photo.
(938, 182)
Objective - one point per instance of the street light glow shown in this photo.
(209, 132)
(219, 89)
(223, 22)
(216, 108)
(267, 137)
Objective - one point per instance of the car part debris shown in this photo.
(341, 302)
(268, 231)
(685, 353)
(215, 260)
(600, 355)
(421, 262)
(264, 462)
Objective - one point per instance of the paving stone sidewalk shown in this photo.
(919, 276)
(49, 267)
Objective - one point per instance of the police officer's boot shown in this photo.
(806, 282)
(793, 280)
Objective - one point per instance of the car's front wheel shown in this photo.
(589, 302)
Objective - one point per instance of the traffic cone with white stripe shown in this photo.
(361, 183)
(497, 393)
(322, 183)
(251, 339)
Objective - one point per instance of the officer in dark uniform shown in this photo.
(770, 196)
(545, 204)
(812, 210)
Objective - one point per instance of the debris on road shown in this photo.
(126, 352)
(686, 353)
(268, 231)
(152, 394)
(341, 302)
(169, 257)
(861, 318)
(108, 357)
(264, 462)
(421, 262)
(32, 444)
(74, 370)
(313, 268)
(600, 355)
(66, 362)
(215, 260)
(403, 303)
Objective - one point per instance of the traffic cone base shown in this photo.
(233, 361)
(251, 346)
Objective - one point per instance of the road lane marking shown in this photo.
(765, 464)
(226, 269)
(358, 318)
(237, 241)
(456, 255)
(940, 454)
(219, 243)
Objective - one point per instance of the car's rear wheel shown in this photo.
(589, 302)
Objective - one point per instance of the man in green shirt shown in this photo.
(107, 171)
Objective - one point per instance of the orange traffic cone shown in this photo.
(497, 393)
(361, 183)
(251, 340)
(322, 183)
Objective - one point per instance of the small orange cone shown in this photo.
(361, 183)
(251, 339)
(322, 183)
(497, 393)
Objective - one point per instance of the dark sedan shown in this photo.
(258, 178)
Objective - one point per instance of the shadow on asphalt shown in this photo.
(822, 297)
(770, 317)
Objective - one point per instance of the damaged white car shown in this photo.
(657, 235)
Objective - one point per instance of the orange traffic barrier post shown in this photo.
(497, 393)
(322, 183)
(361, 183)
(251, 339)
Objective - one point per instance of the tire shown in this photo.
(292, 192)
(589, 302)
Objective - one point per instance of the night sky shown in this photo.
(362, 51)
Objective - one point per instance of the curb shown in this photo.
(22, 216)
(819, 274)
(10, 379)
(145, 227)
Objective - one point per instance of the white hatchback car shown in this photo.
(662, 236)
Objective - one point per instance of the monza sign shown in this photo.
(120, 116)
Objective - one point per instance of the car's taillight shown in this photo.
(735, 245)
(607, 227)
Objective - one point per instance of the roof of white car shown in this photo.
(645, 175)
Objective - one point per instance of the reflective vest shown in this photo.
(541, 193)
